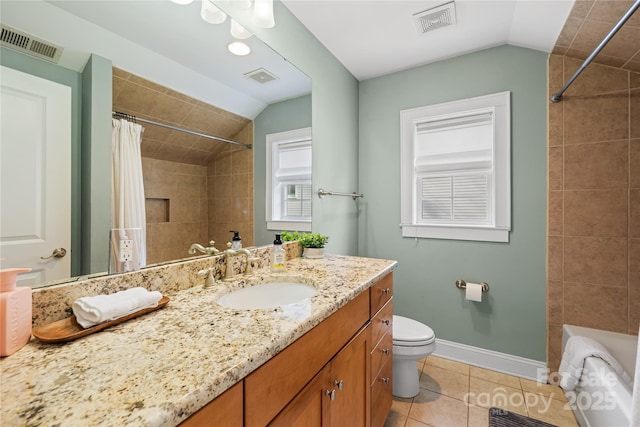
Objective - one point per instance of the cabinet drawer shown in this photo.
(381, 292)
(381, 354)
(382, 323)
(381, 398)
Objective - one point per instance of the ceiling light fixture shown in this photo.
(239, 48)
(211, 14)
(182, 1)
(263, 14)
(238, 31)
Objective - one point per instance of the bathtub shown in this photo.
(602, 399)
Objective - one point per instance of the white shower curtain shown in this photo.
(128, 202)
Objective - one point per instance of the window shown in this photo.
(288, 199)
(455, 173)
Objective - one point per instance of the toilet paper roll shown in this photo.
(474, 292)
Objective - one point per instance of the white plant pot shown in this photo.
(313, 253)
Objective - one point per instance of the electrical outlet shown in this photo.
(126, 250)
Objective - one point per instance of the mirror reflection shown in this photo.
(196, 189)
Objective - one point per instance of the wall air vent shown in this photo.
(434, 18)
(26, 43)
(261, 75)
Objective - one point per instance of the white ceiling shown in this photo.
(377, 37)
(169, 44)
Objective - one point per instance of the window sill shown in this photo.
(289, 225)
(478, 234)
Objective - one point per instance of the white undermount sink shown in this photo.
(267, 295)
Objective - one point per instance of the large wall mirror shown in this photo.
(167, 65)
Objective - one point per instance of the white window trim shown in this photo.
(499, 231)
(297, 135)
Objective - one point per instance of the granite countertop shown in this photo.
(158, 369)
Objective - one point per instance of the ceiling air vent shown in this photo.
(261, 75)
(26, 43)
(434, 18)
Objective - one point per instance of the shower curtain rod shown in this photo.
(557, 97)
(151, 122)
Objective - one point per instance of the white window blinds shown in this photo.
(453, 168)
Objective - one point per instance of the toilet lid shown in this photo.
(409, 330)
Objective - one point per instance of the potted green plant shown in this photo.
(313, 244)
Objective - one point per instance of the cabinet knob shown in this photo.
(386, 321)
(386, 291)
(339, 384)
(386, 351)
(385, 380)
(331, 394)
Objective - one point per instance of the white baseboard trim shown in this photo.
(494, 360)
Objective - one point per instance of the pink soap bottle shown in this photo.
(15, 312)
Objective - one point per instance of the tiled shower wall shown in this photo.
(593, 202)
(196, 189)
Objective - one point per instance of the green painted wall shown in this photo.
(335, 124)
(511, 319)
(279, 117)
(96, 161)
(37, 67)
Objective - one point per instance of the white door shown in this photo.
(35, 176)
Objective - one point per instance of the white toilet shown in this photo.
(412, 341)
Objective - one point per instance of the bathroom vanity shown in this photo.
(319, 362)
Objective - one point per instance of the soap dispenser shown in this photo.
(15, 312)
(236, 242)
(277, 255)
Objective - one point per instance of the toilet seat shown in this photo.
(411, 333)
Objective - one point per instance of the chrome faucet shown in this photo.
(211, 250)
(229, 254)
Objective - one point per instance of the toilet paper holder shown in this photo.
(461, 284)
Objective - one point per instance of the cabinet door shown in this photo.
(309, 407)
(224, 410)
(350, 378)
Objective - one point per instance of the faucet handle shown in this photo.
(210, 280)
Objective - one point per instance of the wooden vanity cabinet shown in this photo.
(337, 374)
(270, 388)
(224, 410)
(381, 312)
(338, 395)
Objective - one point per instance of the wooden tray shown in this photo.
(68, 329)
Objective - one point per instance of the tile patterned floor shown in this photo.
(453, 394)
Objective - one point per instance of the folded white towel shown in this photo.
(90, 311)
(576, 350)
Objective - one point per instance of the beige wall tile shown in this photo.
(555, 216)
(634, 285)
(634, 80)
(554, 347)
(634, 213)
(634, 163)
(596, 213)
(595, 260)
(555, 168)
(597, 165)
(634, 113)
(554, 255)
(600, 307)
(555, 302)
(595, 79)
(596, 118)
